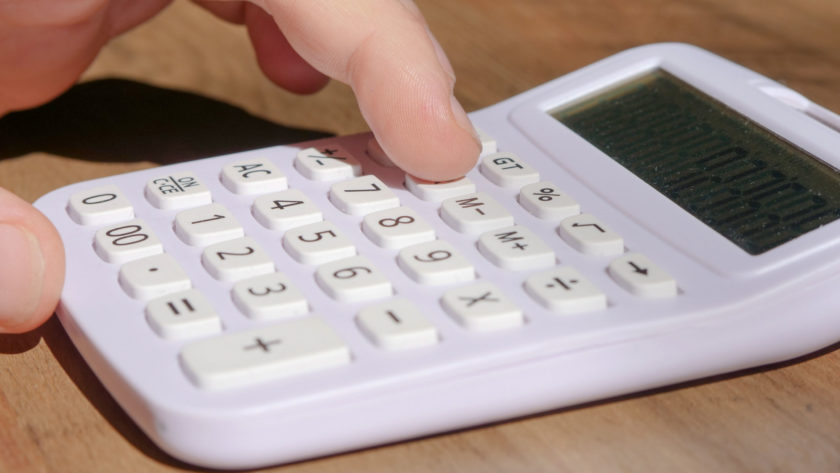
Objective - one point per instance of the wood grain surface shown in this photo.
(186, 85)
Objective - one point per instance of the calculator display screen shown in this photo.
(740, 179)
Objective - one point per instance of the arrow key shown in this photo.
(639, 275)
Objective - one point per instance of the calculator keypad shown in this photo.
(297, 341)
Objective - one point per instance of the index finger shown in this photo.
(403, 83)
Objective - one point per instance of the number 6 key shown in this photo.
(353, 279)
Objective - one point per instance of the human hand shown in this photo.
(381, 48)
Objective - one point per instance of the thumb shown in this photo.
(31, 265)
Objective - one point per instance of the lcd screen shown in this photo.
(740, 179)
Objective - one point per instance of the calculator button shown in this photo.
(475, 213)
(206, 225)
(100, 206)
(482, 306)
(590, 236)
(488, 143)
(183, 315)
(362, 195)
(397, 228)
(152, 277)
(438, 191)
(639, 275)
(126, 241)
(396, 324)
(545, 201)
(259, 355)
(177, 191)
(564, 290)
(435, 263)
(328, 163)
(317, 243)
(238, 259)
(508, 170)
(515, 248)
(284, 210)
(353, 279)
(269, 296)
(254, 176)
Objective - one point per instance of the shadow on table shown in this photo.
(123, 121)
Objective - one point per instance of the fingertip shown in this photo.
(404, 86)
(438, 144)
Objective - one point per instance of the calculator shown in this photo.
(662, 215)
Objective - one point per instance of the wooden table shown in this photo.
(184, 85)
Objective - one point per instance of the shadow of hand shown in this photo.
(121, 120)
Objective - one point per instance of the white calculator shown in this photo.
(660, 216)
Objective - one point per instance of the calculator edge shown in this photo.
(680, 356)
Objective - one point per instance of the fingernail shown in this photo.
(462, 119)
(21, 275)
